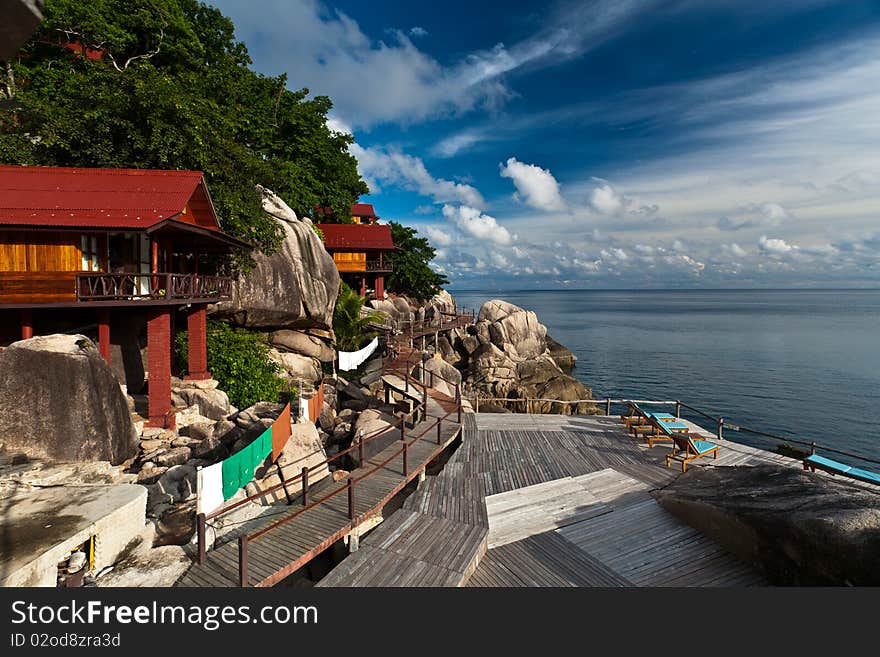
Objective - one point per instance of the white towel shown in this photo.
(210, 488)
(351, 360)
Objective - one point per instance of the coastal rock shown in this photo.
(176, 526)
(561, 355)
(797, 527)
(445, 376)
(59, 400)
(396, 309)
(294, 288)
(302, 343)
(296, 366)
(211, 403)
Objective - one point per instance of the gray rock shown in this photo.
(797, 527)
(176, 526)
(294, 288)
(174, 456)
(59, 400)
(445, 376)
(150, 476)
(212, 404)
(561, 355)
(327, 418)
(200, 431)
(302, 343)
(297, 367)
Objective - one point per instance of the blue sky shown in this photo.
(605, 144)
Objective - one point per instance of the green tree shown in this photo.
(350, 325)
(412, 273)
(168, 86)
(240, 362)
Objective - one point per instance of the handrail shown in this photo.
(720, 421)
(271, 489)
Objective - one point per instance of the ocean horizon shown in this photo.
(801, 363)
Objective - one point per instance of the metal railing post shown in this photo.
(439, 424)
(406, 378)
(201, 522)
(405, 464)
(243, 560)
(403, 428)
(361, 448)
(458, 400)
(720, 428)
(350, 486)
(677, 408)
(608, 406)
(305, 485)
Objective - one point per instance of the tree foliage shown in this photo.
(166, 85)
(350, 325)
(412, 274)
(240, 362)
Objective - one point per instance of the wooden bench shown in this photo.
(815, 462)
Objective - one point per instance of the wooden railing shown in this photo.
(375, 265)
(131, 287)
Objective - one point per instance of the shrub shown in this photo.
(350, 325)
(239, 360)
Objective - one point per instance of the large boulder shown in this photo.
(296, 366)
(59, 400)
(797, 527)
(397, 310)
(445, 377)
(561, 355)
(302, 343)
(294, 288)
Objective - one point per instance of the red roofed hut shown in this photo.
(81, 244)
(359, 251)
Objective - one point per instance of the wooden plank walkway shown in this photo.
(565, 501)
(290, 546)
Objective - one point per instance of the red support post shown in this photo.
(200, 531)
(350, 487)
(380, 288)
(159, 367)
(405, 464)
(27, 324)
(104, 334)
(197, 349)
(439, 424)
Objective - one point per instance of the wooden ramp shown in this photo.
(289, 546)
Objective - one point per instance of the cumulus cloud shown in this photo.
(734, 249)
(774, 245)
(418, 31)
(479, 225)
(764, 215)
(380, 166)
(604, 199)
(336, 124)
(536, 187)
(438, 237)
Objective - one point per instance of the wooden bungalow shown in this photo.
(360, 252)
(86, 245)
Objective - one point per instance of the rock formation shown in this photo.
(798, 528)
(506, 353)
(295, 288)
(59, 400)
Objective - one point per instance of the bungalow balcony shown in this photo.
(70, 289)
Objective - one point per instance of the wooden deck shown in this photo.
(563, 501)
(288, 547)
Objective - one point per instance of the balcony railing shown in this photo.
(375, 265)
(133, 287)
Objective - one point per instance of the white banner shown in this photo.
(351, 360)
(210, 488)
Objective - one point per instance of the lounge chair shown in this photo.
(663, 426)
(689, 446)
(815, 462)
(638, 417)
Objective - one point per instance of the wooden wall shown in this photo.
(350, 260)
(198, 211)
(38, 251)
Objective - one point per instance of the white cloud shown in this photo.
(338, 125)
(437, 237)
(774, 245)
(535, 186)
(455, 144)
(380, 166)
(418, 31)
(477, 224)
(604, 199)
(734, 249)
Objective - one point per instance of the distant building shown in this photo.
(80, 246)
(360, 250)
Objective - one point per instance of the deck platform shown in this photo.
(564, 501)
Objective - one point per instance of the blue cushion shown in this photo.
(703, 445)
(673, 425)
(662, 415)
(829, 464)
(864, 474)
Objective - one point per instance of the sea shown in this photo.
(802, 364)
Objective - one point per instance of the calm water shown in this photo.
(803, 363)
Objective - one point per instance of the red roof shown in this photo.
(362, 210)
(99, 198)
(357, 236)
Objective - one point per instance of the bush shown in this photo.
(239, 360)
